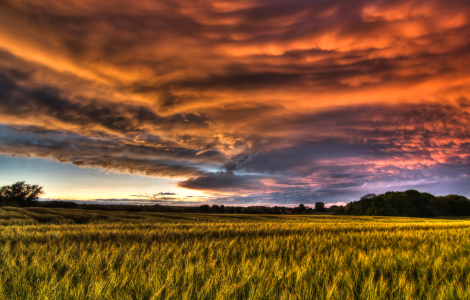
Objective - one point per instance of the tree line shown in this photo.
(410, 203)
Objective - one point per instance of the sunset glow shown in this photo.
(235, 102)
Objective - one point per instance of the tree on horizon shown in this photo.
(22, 193)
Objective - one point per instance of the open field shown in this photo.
(75, 254)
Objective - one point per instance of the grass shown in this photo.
(75, 254)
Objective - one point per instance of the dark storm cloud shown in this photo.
(222, 181)
(275, 98)
(47, 101)
(439, 180)
(86, 152)
(335, 31)
(369, 145)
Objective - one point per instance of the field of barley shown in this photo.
(77, 254)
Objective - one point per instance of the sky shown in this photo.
(247, 102)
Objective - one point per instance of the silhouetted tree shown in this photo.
(320, 206)
(453, 205)
(22, 193)
(302, 207)
(217, 209)
(204, 208)
(410, 203)
(332, 208)
(339, 210)
(368, 196)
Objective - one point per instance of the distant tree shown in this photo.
(204, 208)
(320, 206)
(339, 210)
(332, 208)
(368, 196)
(410, 203)
(302, 207)
(421, 204)
(22, 193)
(453, 205)
(217, 209)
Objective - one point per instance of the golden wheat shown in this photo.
(76, 254)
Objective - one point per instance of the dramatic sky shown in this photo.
(235, 102)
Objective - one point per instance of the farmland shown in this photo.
(78, 254)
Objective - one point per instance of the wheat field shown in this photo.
(77, 254)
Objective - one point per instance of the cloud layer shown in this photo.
(264, 101)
